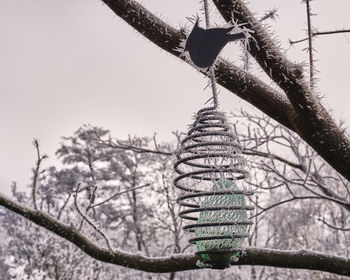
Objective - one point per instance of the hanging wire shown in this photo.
(211, 70)
(206, 13)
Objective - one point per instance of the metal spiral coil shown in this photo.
(209, 165)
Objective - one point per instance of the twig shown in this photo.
(332, 226)
(91, 201)
(272, 14)
(118, 194)
(63, 206)
(317, 33)
(36, 172)
(122, 146)
(88, 220)
(283, 202)
(271, 156)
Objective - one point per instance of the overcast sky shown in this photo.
(64, 63)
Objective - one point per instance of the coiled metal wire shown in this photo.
(209, 165)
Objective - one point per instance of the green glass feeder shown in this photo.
(222, 243)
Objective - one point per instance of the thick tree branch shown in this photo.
(310, 119)
(253, 256)
(236, 80)
(306, 115)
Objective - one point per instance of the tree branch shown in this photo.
(306, 115)
(309, 33)
(86, 218)
(310, 119)
(250, 152)
(332, 226)
(236, 80)
(271, 156)
(320, 33)
(118, 194)
(36, 172)
(252, 256)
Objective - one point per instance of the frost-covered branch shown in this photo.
(122, 146)
(236, 80)
(250, 152)
(253, 256)
(320, 33)
(63, 206)
(310, 119)
(303, 112)
(117, 144)
(310, 48)
(332, 226)
(118, 194)
(36, 172)
(86, 218)
(270, 14)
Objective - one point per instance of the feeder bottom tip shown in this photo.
(215, 261)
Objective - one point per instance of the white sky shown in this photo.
(64, 63)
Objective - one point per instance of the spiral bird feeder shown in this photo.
(210, 167)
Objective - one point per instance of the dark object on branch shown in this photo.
(209, 165)
(204, 45)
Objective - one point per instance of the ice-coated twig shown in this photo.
(88, 220)
(264, 209)
(88, 207)
(318, 33)
(63, 206)
(309, 35)
(332, 226)
(118, 194)
(270, 14)
(36, 172)
(122, 145)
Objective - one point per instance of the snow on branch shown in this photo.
(236, 80)
(302, 113)
(310, 119)
(87, 219)
(118, 194)
(252, 256)
(37, 172)
(319, 33)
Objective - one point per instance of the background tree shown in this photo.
(284, 219)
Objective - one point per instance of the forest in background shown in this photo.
(126, 189)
